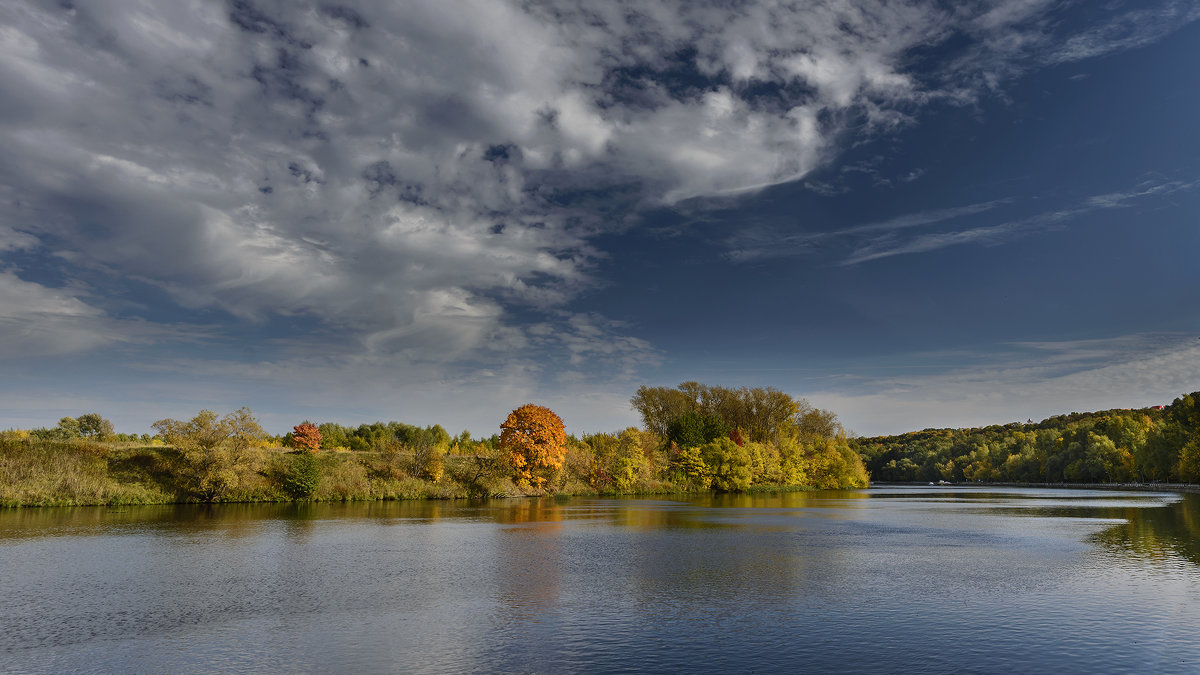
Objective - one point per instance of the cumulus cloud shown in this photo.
(411, 176)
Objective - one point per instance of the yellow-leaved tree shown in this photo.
(215, 454)
(535, 442)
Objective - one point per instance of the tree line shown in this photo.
(1157, 444)
(734, 438)
(695, 438)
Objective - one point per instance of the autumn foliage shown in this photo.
(535, 442)
(306, 436)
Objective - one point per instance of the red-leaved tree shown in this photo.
(306, 436)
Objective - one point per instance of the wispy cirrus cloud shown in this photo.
(38, 321)
(1002, 233)
(1126, 30)
(757, 245)
(1019, 381)
(900, 235)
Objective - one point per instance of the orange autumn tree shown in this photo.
(535, 443)
(306, 436)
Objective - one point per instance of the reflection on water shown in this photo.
(1160, 534)
(880, 580)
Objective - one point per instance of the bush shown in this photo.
(728, 463)
(481, 474)
(215, 455)
(303, 476)
(428, 461)
(344, 479)
(690, 469)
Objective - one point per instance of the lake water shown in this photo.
(906, 579)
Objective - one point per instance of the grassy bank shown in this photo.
(76, 473)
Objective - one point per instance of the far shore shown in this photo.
(1142, 487)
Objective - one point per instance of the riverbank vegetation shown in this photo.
(1157, 444)
(695, 438)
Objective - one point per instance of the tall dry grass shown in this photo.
(67, 473)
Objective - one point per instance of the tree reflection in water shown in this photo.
(1157, 534)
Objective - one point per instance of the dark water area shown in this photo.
(903, 579)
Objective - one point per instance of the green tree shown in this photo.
(333, 436)
(303, 476)
(761, 413)
(1097, 460)
(1185, 411)
(69, 427)
(837, 466)
(1188, 468)
(659, 406)
(728, 464)
(627, 463)
(214, 453)
(95, 427)
(693, 428)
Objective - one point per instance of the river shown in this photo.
(897, 579)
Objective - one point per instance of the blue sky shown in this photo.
(914, 215)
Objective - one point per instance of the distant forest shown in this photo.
(1157, 444)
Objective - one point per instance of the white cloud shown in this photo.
(896, 236)
(15, 240)
(39, 321)
(1136, 28)
(408, 176)
(756, 245)
(890, 245)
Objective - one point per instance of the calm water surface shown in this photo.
(880, 580)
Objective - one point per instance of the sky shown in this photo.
(914, 214)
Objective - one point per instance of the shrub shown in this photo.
(728, 463)
(303, 476)
(215, 455)
(481, 474)
(428, 460)
(690, 467)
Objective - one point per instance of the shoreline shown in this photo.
(1185, 488)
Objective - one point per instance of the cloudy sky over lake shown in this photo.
(914, 214)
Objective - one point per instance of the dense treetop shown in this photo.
(1160, 444)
